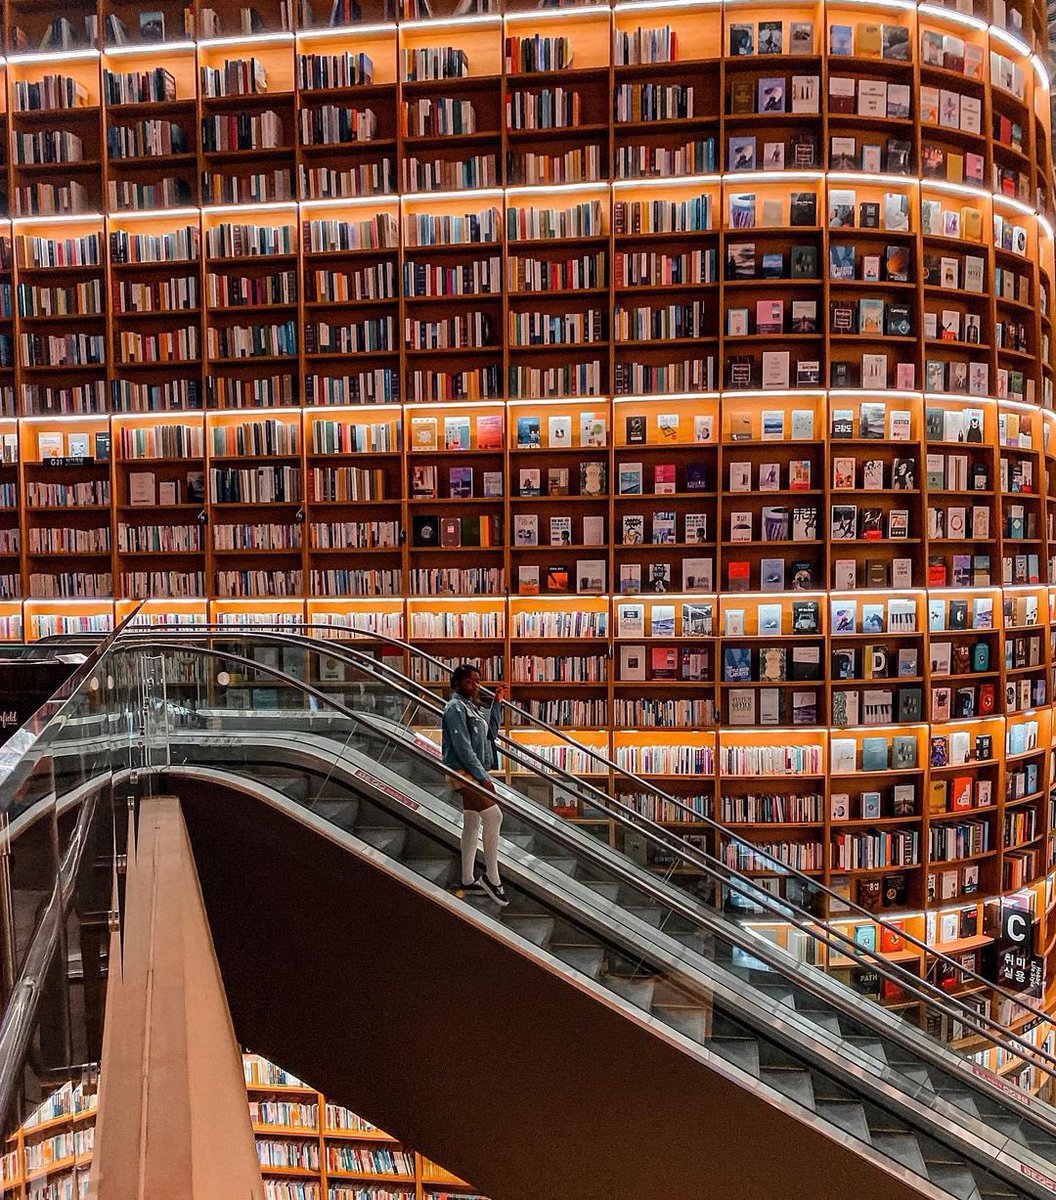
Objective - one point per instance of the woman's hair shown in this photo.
(460, 674)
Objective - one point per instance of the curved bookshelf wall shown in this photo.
(694, 359)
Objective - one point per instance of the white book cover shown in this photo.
(591, 577)
(843, 756)
(630, 620)
(559, 432)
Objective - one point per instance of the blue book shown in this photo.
(874, 754)
(737, 664)
(529, 433)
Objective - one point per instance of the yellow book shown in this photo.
(937, 796)
(971, 224)
(869, 40)
(955, 168)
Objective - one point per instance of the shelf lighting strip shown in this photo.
(727, 180)
(324, 411)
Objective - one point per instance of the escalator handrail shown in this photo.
(22, 751)
(984, 1026)
(690, 853)
(20, 1013)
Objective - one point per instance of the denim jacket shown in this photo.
(469, 737)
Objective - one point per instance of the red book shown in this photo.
(891, 940)
(961, 793)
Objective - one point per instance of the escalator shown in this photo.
(607, 1035)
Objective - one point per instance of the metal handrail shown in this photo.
(714, 868)
(778, 906)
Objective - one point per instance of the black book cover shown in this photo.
(425, 531)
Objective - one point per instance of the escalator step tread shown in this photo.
(903, 1148)
(567, 866)
(535, 929)
(845, 1115)
(959, 1099)
(650, 916)
(437, 870)
(1010, 1126)
(995, 1189)
(793, 1082)
(778, 991)
(693, 1022)
(388, 839)
(340, 812)
(954, 1178)
(742, 1052)
(916, 1073)
(638, 991)
(829, 1021)
(871, 1046)
(585, 959)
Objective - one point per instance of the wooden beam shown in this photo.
(173, 1121)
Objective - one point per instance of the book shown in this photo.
(529, 433)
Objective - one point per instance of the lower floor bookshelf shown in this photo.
(308, 1147)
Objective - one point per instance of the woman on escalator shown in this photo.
(469, 749)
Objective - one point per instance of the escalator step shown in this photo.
(1045, 1146)
(440, 871)
(742, 1052)
(700, 943)
(793, 1082)
(995, 1189)
(687, 1020)
(954, 1178)
(959, 1099)
(567, 866)
(903, 1148)
(535, 929)
(339, 812)
(294, 786)
(638, 992)
(1010, 1126)
(651, 916)
(846, 1115)
(829, 1021)
(586, 960)
(390, 840)
(916, 1073)
(777, 990)
(870, 1046)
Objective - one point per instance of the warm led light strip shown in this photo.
(729, 180)
(320, 411)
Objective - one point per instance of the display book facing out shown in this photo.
(308, 1148)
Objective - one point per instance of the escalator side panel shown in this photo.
(433, 1029)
